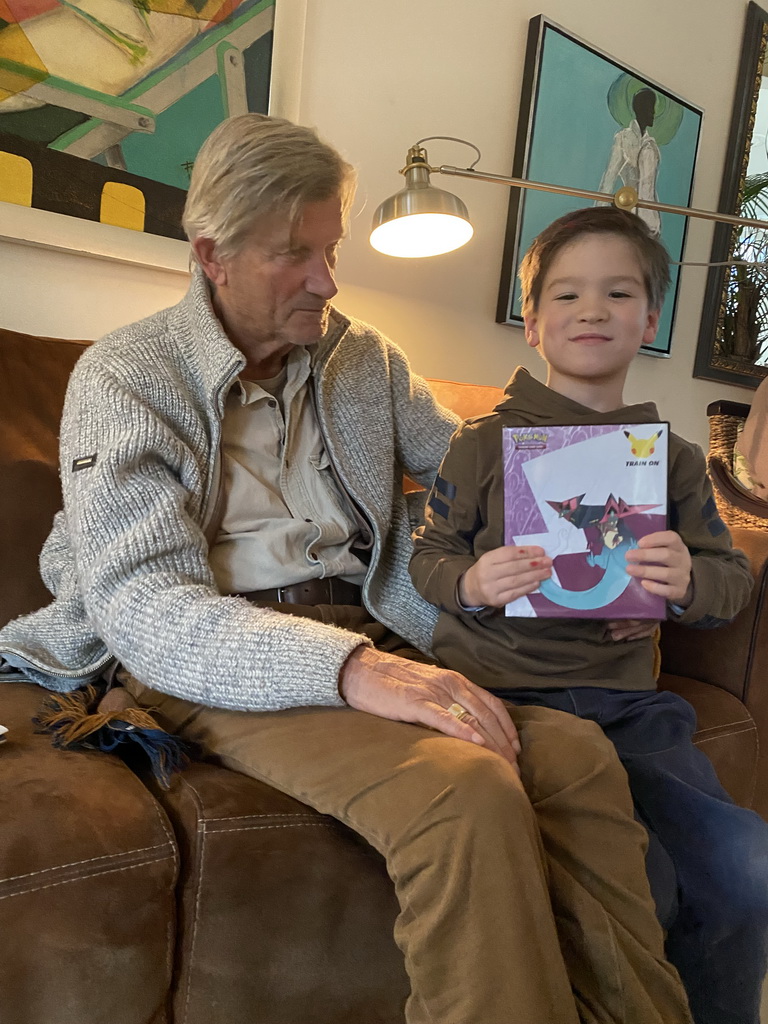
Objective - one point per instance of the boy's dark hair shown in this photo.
(594, 220)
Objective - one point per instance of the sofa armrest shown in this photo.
(733, 657)
(88, 869)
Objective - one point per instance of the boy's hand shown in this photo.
(502, 575)
(662, 563)
(632, 629)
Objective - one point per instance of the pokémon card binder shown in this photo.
(586, 495)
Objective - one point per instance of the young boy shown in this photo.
(593, 285)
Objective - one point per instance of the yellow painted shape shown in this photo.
(212, 10)
(15, 179)
(122, 205)
(20, 65)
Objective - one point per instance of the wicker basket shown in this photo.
(736, 505)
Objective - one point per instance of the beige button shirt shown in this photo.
(285, 518)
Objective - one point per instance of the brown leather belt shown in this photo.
(332, 590)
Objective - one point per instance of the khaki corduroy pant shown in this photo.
(522, 901)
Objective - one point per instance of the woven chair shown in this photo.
(736, 505)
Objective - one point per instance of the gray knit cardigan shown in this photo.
(127, 559)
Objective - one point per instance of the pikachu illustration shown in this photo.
(643, 447)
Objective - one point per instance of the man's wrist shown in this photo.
(349, 670)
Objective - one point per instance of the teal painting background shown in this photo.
(180, 131)
(571, 141)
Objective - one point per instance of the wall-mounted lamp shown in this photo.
(422, 220)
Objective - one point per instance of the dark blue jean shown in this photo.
(707, 859)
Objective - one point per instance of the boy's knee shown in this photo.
(749, 895)
(738, 878)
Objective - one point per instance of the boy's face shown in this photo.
(593, 314)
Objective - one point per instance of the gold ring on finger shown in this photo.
(458, 712)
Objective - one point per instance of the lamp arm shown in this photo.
(625, 198)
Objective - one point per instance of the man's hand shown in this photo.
(409, 691)
(502, 575)
(632, 629)
(662, 563)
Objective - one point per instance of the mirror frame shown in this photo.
(709, 364)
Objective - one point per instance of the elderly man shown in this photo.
(235, 537)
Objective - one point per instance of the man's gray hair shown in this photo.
(252, 167)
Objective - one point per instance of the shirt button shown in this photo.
(272, 403)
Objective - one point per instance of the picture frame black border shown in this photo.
(707, 365)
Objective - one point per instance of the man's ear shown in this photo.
(213, 268)
(532, 330)
(651, 326)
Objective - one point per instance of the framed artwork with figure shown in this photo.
(587, 121)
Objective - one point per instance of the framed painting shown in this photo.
(104, 105)
(733, 335)
(587, 121)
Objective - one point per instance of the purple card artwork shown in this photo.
(586, 495)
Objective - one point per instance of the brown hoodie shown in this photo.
(465, 518)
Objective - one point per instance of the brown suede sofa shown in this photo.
(221, 901)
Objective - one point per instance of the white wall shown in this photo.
(378, 76)
(57, 294)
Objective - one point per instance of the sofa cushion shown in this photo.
(34, 372)
(281, 909)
